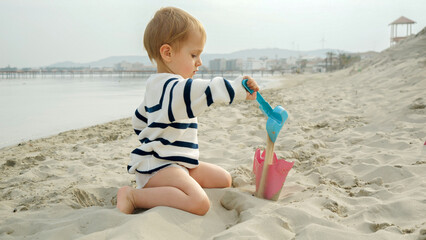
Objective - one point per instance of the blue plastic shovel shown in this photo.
(276, 116)
(276, 119)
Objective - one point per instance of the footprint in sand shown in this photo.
(94, 197)
(255, 217)
(379, 226)
(242, 176)
(335, 207)
(85, 199)
(417, 104)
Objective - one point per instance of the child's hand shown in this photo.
(252, 84)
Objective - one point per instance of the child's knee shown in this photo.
(228, 180)
(225, 180)
(200, 205)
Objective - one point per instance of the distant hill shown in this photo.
(105, 62)
(270, 53)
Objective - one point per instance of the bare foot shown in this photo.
(125, 200)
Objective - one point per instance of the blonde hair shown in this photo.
(171, 26)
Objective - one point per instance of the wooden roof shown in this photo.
(402, 20)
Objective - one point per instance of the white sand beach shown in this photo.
(356, 137)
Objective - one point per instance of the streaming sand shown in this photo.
(356, 137)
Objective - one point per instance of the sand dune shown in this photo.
(356, 137)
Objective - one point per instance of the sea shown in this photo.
(32, 108)
(39, 107)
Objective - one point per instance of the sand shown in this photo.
(356, 137)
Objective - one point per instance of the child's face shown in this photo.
(186, 61)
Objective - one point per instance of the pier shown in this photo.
(86, 73)
(71, 73)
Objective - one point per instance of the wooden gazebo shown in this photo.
(394, 38)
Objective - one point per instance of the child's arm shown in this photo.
(139, 119)
(192, 97)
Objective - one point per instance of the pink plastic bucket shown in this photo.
(277, 174)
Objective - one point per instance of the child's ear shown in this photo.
(166, 52)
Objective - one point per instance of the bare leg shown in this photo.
(211, 176)
(125, 200)
(171, 187)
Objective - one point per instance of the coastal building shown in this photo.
(396, 36)
(315, 65)
(234, 64)
(127, 66)
(276, 64)
(254, 64)
(292, 60)
(218, 64)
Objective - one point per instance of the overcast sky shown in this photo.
(37, 33)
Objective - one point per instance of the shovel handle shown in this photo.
(268, 162)
(263, 104)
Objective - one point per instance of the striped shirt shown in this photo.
(166, 121)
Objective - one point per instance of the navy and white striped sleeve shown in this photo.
(139, 119)
(191, 97)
